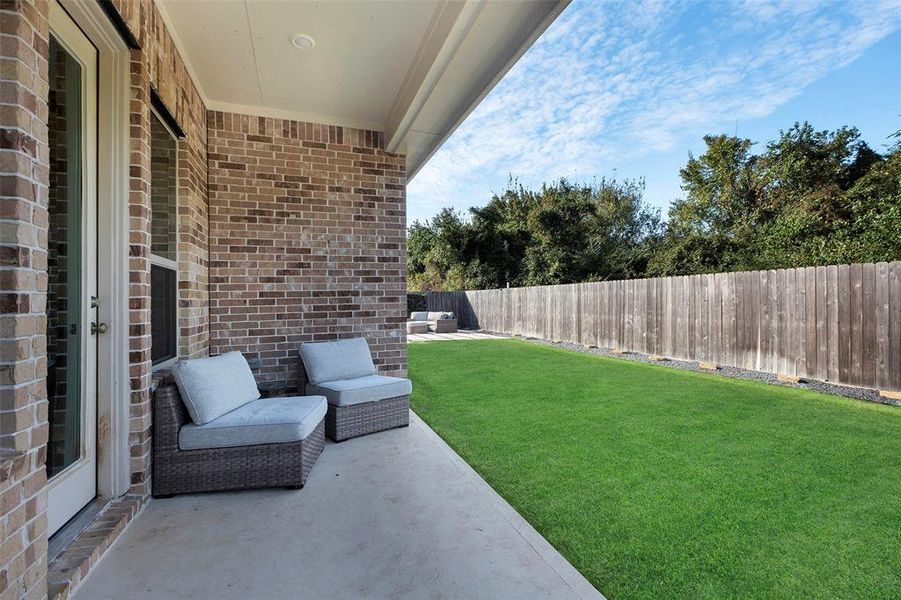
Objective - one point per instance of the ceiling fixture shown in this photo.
(303, 41)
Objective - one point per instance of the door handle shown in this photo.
(99, 328)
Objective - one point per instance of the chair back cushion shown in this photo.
(439, 316)
(341, 359)
(211, 387)
(419, 316)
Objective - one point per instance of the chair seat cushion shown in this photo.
(263, 421)
(371, 388)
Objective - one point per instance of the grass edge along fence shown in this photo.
(838, 323)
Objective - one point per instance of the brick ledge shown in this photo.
(74, 563)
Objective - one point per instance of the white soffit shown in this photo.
(498, 38)
(411, 68)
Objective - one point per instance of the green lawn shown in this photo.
(660, 483)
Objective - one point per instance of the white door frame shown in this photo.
(113, 383)
(76, 485)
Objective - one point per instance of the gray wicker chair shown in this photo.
(444, 325)
(360, 401)
(177, 471)
(346, 422)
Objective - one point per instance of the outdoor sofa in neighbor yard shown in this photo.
(360, 401)
(439, 322)
(213, 432)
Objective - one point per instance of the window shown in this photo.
(163, 243)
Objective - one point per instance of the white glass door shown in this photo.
(71, 271)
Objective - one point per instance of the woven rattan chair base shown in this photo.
(178, 471)
(345, 422)
(445, 326)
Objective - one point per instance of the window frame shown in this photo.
(160, 261)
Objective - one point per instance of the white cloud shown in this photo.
(613, 80)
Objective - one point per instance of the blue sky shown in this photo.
(627, 89)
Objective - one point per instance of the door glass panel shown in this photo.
(64, 261)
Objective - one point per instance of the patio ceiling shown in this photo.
(412, 69)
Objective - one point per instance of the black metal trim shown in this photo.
(130, 40)
(160, 107)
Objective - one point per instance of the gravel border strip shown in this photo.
(857, 393)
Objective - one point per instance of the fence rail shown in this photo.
(837, 323)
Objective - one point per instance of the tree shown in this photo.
(808, 198)
(590, 233)
(559, 234)
(708, 228)
(798, 203)
(435, 251)
(808, 176)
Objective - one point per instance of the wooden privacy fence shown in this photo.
(837, 323)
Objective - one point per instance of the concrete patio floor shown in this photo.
(396, 514)
(459, 335)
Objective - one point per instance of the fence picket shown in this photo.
(856, 352)
(882, 360)
(894, 325)
(868, 323)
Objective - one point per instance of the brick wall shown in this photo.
(300, 236)
(139, 225)
(23, 284)
(157, 65)
(307, 241)
(24, 178)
